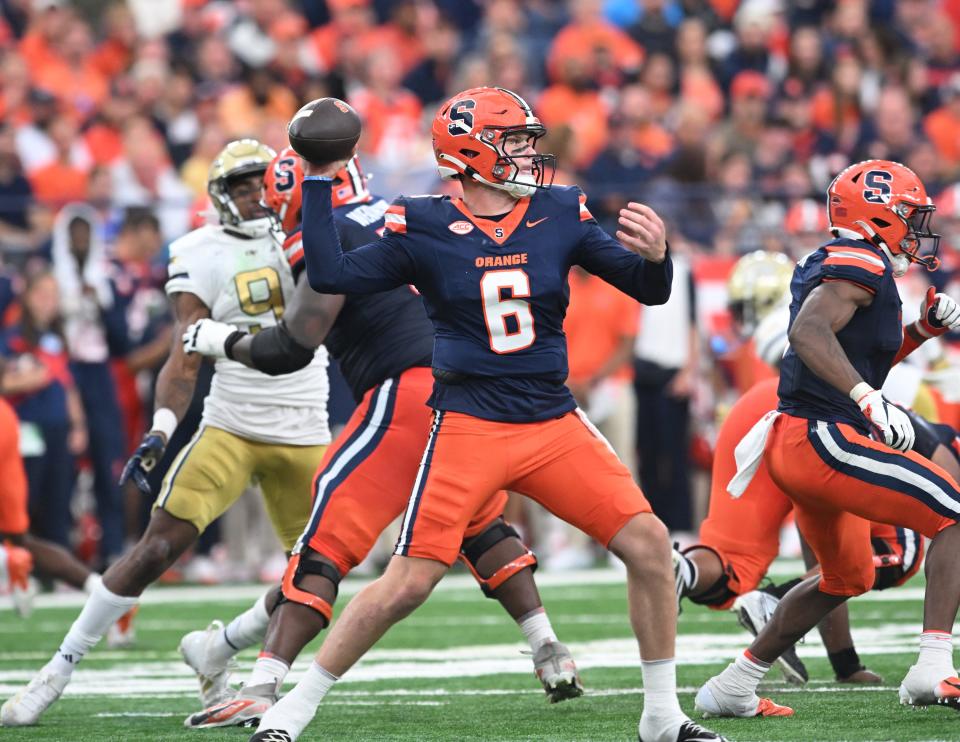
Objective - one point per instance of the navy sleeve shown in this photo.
(602, 255)
(371, 268)
(854, 264)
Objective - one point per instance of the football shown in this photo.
(324, 130)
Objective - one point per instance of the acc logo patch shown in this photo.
(461, 227)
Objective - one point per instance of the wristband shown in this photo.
(164, 421)
(860, 391)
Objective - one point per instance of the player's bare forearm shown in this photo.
(177, 378)
(813, 335)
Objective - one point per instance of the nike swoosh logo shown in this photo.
(533, 224)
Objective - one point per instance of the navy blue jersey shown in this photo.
(495, 290)
(870, 339)
(375, 336)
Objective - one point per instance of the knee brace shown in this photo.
(719, 592)
(291, 591)
(479, 545)
(888, 565)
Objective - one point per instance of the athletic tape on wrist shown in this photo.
(164, 421)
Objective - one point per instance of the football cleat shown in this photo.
(557, 672)
(244, 708)
(122, 634)
(926, 686)
(214, 677)
(754, 610)
(690, 732)
(25, 708)
(713, 702)
(272, 735)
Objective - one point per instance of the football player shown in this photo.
(492, 270)
(384, 343)
(740, 537)
(839, 449)
(20, 551)
(254, 425)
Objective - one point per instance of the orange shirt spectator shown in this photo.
(242, 116)
(58, 183)
(600, 320)
(584, 112)
(582, 40)
(943, 125)
(387, 118)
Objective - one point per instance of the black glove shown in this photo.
(144, 459)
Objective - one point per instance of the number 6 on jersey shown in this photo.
(496, 310)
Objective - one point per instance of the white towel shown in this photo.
(749, 452)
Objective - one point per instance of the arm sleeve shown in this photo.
(854, 264)
(371, 268)
(602, 255)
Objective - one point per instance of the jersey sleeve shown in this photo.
(293, 252)
(186, 274)
(376, 266)
(604, 256)
(854, 264)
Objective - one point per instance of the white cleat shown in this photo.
(214, 677)
(25, 708)
(927, 686)
(711, 701)
(557, 672)
(244, 708)
(754, 611)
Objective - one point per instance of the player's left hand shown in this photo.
(208, 338)
(939, 314)
(643, 232)
(144, 459)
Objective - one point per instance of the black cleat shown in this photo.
(276, 735)
(690, 731)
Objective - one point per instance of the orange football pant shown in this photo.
(365, 478)
(13, 478)
(564, 464)
(839, 480)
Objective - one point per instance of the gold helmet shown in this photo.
(760, 281)
(238, 159)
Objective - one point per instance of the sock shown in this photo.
(742, 676)
(660, 688)
(536, 627)
(93, 579)
(936, 649)
(99, 612)
(268, 669)
(845, 662)
(689, 574)
(295, 710)
(244, 631)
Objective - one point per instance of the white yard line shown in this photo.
(135, 674)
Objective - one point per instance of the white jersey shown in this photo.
(247, 283)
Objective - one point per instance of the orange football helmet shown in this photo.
(884, 203)
(284, 176)
(468, 137)
(281, 188)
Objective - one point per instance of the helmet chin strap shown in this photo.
(899, 261)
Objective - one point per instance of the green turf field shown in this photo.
(454, 671)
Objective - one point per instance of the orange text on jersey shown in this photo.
(519, 258)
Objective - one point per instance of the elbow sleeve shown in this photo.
(274, 351)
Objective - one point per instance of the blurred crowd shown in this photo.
(729, 117)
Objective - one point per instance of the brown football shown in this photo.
(324, 130)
